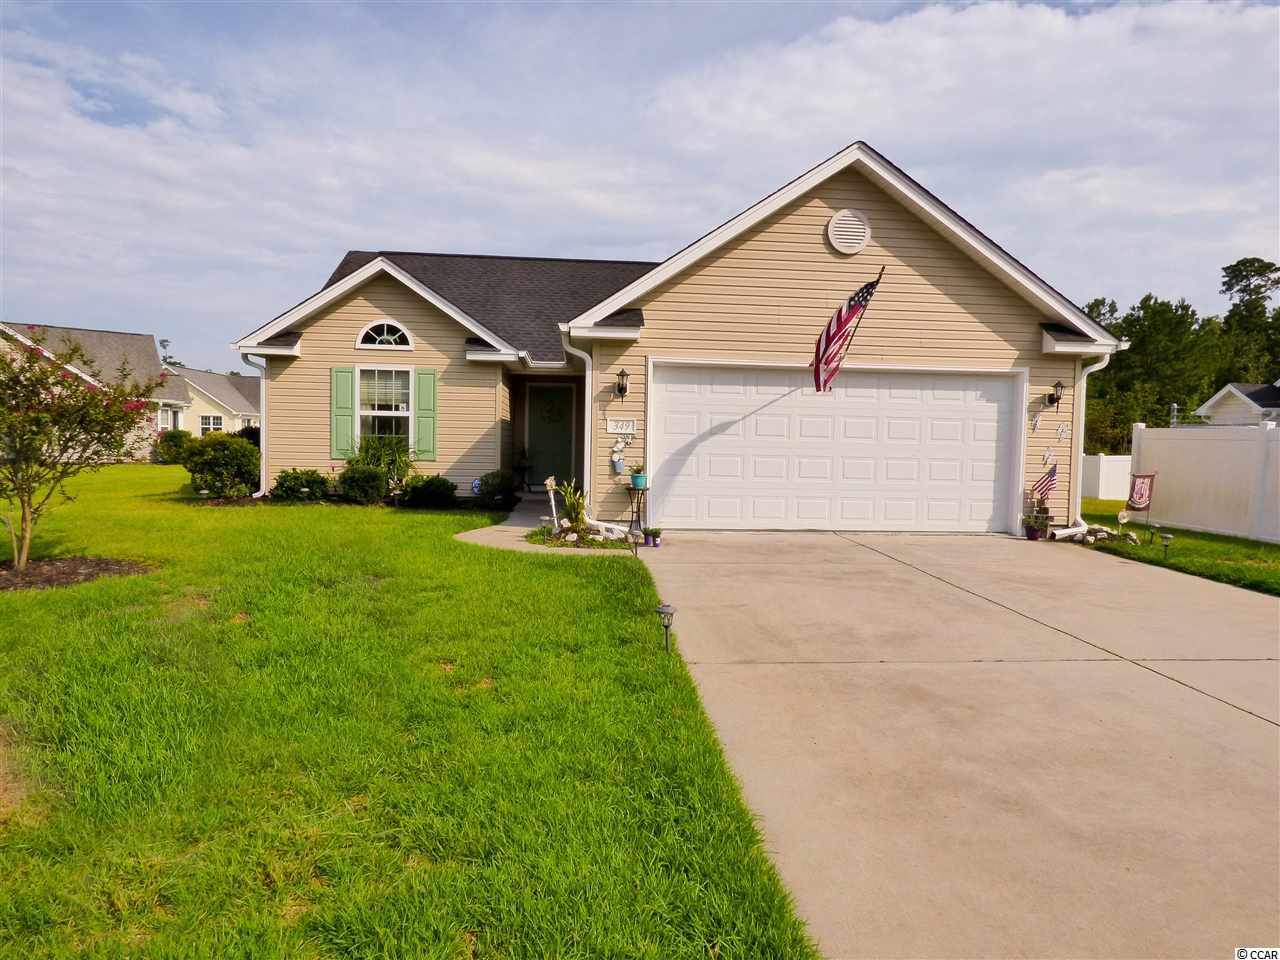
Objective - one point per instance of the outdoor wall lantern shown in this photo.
(1051, 399)
(666, 613)
(623, 377)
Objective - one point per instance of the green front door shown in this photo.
(549, 436)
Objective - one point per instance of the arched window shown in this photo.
(385, 336)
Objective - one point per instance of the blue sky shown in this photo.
(191, 170)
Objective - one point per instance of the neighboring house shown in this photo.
(108, 350)
(219, 401)
(1241, 404)
(939, 420)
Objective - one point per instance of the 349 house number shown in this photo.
(620, 426)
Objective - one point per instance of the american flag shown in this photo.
(828, 354)
(1046, 484)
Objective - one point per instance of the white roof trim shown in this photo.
(177, 372)
(27, 341)
(965, 234)
(1050, 344)
(1206, 408)
(328, 295)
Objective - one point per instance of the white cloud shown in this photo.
(195, 183)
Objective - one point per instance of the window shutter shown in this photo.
(424, 414)
(342, 412)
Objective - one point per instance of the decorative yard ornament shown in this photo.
(1035, 422)
(1048, 457)
(833, 342)
(666, 613)
(1141, 488)
(1062, 431)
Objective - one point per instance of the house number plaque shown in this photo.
(620, 427)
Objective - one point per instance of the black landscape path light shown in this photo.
(1166, 539)
(667, 613)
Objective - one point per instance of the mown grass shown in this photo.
(322, 731)
(1243, 563)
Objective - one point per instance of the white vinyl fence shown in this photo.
(1106, 476)
(1216, 479)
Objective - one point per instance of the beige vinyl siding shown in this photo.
(202, 406)
(468, 435)
(765, 296)
(1231, 410)
(505, 455)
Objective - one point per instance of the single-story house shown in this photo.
(962, 387)
(218, 401)
(1242, 404)
(107, 350)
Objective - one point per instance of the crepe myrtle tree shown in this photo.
(58, 417)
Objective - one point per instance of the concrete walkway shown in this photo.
(983, 747)
(510, 534)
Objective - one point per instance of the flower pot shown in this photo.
(648, 540)
(639, 481)
(1034, 533)
(657, 541)
(618, 466)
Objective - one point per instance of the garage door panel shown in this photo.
(751, 448)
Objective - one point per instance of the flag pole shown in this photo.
(857, 323)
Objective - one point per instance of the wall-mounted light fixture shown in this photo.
(1051, 399)
(621, 387)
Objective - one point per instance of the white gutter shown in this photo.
(588, 416)
(1081, 398)
(262, 423)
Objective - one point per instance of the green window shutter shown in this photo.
(424, 414)
(342, 412)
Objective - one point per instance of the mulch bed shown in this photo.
(65, 571)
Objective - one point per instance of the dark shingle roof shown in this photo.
(239, 394)
(108, 349)
(521, 299)
(1263, 394)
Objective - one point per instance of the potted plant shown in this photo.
(1036, 523)
(657, 535)
(648, 536)
(639, 479)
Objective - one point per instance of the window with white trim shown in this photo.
(166, 418)
(386, 336)
(210, 424)
(385, 403)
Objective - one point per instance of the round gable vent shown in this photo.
(848, 231)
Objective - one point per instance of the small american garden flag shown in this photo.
(829, 351)
(1046, 484)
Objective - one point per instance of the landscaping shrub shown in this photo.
(252, 434)
(361, 483)
(497, 490)
(223, 465)
(300, 485)
(390, 454)
(431, 493)
(171, 446)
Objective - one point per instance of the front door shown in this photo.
(549, 432)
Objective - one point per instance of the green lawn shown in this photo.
(336, 731)
(1244, 563)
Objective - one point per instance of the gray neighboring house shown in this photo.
(218, 401)
(108, 350)
(1242, 404)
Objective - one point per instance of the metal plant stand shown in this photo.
(635, 529)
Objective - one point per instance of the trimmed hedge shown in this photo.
(297, 485)
(222, 465)
(171, 446)
(360, 483)
(497, 490)
(431, 493)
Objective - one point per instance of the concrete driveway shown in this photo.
(983, 747)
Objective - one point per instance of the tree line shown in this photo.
(1177, 356)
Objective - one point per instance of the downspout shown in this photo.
(1078, 472)
(262, 422)
(587, 408)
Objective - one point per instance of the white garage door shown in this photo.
(756, 448)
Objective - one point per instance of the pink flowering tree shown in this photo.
(59, 416)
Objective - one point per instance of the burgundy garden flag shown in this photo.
(829, 352)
